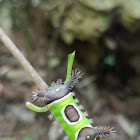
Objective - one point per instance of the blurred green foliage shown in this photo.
(27, 137)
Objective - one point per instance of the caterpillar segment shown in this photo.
(67, 112)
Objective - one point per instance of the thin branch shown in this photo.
(22, 60)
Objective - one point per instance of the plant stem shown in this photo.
(22, 60)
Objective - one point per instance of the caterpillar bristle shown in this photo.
(60, 131)
(77, 100)
(81, 107)
(40, 90)
(39, 95)
(34, 96)
(55, 123)
(53, 83)
(73, 94)
(59, 81)
(74, 78)
(91, 120)
(105, 132)
(86, 113)
(50, 117)
(66, 138)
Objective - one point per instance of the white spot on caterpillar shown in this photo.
(77, 100)
(50, 117)
(88, 137)
(81, 106)
(86, 113)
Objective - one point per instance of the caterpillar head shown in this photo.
(54, 92)
(57, 90)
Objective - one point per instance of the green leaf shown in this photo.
(8, 138)
(27, 137)
(69, 66)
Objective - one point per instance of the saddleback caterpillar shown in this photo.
(68, 113)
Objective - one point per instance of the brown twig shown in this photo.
(22, 60)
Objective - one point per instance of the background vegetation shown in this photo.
(105, 35)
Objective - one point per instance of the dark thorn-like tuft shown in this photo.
(39, 95)
(74, 78)
(105, 132)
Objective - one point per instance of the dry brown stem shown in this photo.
(22, 60)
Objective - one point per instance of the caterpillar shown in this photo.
(68, 113)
